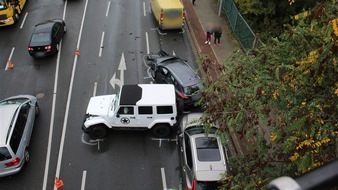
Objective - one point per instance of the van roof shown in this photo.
(7, 112)
(148, 94)
(170, 4)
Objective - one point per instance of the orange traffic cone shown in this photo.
(77, 52)
(10, 65)
(58, 183)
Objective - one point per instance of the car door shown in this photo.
(187, 160)
(126, 116)
(161, 75)
(58, 33)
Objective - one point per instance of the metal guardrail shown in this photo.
(323, 177)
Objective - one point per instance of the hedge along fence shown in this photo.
(245, 36)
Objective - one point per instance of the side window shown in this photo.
(188, 153)
(19, 127)
(164, 109)
(126, 110)
(145, 110)
(170, 78)
(164, 71)
(56, 29)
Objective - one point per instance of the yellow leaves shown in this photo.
(294, 157)
(311, 58)
(291, 2)
(275, 95)
(273, 136)
(335, 26)
(336, 91)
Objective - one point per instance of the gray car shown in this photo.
(168, 69)
(17, 116)
(203, 158)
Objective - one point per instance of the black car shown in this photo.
(46, 38)
(167, 69)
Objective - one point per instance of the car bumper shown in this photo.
(11, 171)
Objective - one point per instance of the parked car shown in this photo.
(46, 38)
(203, 157)
(17, 116)
(169, 69)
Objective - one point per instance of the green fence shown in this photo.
(240, 28)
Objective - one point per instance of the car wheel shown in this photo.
(37, 110)
(180, 106)
(98, 132)
(16, 16)
(26, 155)
(161, 130)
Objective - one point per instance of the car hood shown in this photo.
(100, 105)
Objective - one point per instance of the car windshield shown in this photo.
(200, 130)
(207, 149)
(4, 154)
(13, 101)
(190, 90)
(41, 38)
(2, 5)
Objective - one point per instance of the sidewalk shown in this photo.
(197, 18)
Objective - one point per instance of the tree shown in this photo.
(284, 96)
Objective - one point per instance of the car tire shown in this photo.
(37, 110)
(161, 130)
(16, 16)
(180, 106)
(98, 132)
(26, 155)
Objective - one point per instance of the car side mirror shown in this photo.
(118, 115)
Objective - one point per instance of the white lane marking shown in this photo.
(62, 142)
(83, 184)
(108, 7)
(23, 21)
(51, 125)
(147, 42)
(95, 88)
(164, 182)
(9, 58)
(101, 44)
(144, 9)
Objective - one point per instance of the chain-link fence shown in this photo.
(240, 28)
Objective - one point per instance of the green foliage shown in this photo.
(284, 96)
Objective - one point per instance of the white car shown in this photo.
(17, 116)
(203, 158)
(137, 106)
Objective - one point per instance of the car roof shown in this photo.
(148, 94)
(208, 170)
(44, 27)
(183, 72)
(7, 112)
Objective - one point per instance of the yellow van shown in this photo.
(168, 13)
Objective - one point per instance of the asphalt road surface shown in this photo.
(111, 37)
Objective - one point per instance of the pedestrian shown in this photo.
(217, 34)
(209, 34)
(193, 2)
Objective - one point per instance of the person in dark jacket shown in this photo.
(217, 34)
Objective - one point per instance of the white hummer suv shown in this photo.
(138, 106)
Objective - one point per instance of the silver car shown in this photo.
(203, 158)
(17, 116)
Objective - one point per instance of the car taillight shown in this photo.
(16, 161)
(48, 47)
(193, 186)
(182, 95)
(161, 17)
(30, 49)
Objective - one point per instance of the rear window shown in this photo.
(164, 109)
(4, 154)
(207, 149)
(173, 13)
(207, 185)
(41, 38)
(190, 90)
